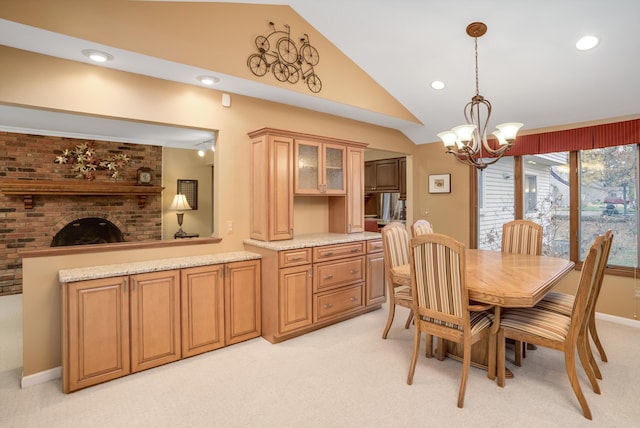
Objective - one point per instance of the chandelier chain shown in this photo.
(476, 47)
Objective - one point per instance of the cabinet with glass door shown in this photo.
(319, 168)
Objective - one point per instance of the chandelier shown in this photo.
(468, 143)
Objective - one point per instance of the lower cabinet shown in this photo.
(305, 289)
(120, 325)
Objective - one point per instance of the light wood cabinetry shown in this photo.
(123, 324)
(320, 168)
(375, 289)
(155, 319)
(285, 164)
(271, 187)
(95, 327)
(309, 288)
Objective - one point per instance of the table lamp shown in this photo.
(180, 204)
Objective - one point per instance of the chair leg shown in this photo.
(440, 350)
(429, 351)
(517, 347)
(492, 357)
(392, 312)
(596, 339)
(500, 357)
(592, 360)
(584, 352)
(409, 319)
(570, 364)
(414, 356)
(466, 363)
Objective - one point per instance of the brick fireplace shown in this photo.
(33, 157)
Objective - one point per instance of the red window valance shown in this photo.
(590, 137)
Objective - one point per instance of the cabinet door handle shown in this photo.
(296, 258)
(355, 250)
(124, 284)
(328, 276)
(310, 273)
(354, 298)
(328, 253)
(353, 271)
(328, 306)
(133, 285)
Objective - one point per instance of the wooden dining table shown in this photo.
(506, 281)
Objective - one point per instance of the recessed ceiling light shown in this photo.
(97, 56)
(208, 80)
(586, 43)
(437, 84)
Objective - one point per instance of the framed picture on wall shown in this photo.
(189, 188)
(440, 183)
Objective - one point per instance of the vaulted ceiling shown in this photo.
(529, 67)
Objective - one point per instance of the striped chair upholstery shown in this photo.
(395, 244)
(553, 330)
(441, 301)
(420, 227)
(562, 303)
(522, 237)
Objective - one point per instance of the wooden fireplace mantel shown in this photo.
(29, 188)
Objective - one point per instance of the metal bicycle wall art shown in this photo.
(288, 63)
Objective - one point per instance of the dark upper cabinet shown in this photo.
(402, 166)
(383, 175)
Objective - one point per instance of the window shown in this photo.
(602, 195)
(608, 200)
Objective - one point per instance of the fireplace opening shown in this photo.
(90, 230)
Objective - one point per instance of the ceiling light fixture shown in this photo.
(437, 84)
(468, 143)
(97, 56)
(210, 144)
(586, 43)
(208, 80)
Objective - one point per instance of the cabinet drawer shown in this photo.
(338, 273)
(338, 251)
(374, 246)
(295, 257)
(334, 303)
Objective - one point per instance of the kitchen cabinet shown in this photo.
(402, 164)
(375, 289)
(286, 164)
(304, 289)
(123, 324)
(320, 168)
(384, 175)
(271, 187)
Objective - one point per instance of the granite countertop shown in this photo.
(313, 240)
(119, 269)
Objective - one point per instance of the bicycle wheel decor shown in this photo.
(288, 62)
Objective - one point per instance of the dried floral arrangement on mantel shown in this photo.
(86, 163)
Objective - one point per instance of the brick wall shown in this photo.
(25, 156)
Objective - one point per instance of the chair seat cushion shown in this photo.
(479, 321)
(401, 275)
(561, 303)
(538, 322)
(403, 292)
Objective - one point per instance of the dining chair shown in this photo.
(563, 303)
(395, 246)
(420, 227)
(553, 330)
(521, 237)
(441, 302)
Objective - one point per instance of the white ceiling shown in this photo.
(529, 67)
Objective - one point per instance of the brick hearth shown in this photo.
(33, 157)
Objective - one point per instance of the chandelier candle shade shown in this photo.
(180, 204)
(468, 143)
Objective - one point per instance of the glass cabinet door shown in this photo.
(334, 169)
(308, 167)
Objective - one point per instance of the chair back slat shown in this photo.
(438, 263)
(396, 239)
(421, 227)
(522, 237)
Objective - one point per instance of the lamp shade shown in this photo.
(180, 203)
(509, 130)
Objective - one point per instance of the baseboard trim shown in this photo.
(41, 377)
(618, 320)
